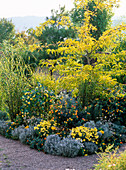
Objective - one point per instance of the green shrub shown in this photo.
(3, 116)
(110, 109)
(36, 143)
(67, 113)
(36, 103)
(87, 91)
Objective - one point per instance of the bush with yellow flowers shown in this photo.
(45, 128)
(85, 134)
(41, 131)
(35, 103)
(88, 136)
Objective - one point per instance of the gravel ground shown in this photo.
(16, 156)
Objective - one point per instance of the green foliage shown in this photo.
(100, 20)
(3, 115)
(22, 41)
(67, 113)
(110, 109)
(88, 91)
(121, 46)
(36, 103)
(52, 34)
(6, 30)
(42, 114)
(12, 80)
(36, 143)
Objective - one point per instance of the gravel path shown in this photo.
(16, 156)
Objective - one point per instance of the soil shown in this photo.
(16, 156)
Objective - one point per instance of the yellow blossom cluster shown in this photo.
(84, 134)
(45, 128)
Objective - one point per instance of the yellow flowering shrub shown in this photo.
(36, 103)
(45, 128)
(85, 134)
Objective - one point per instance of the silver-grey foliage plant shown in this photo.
(69, 147)
(17, 131)
(91, 147)
(51, 144)
(26, 133)
(3, 127)
(66, 147)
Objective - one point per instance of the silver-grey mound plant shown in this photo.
(90, 124)
(17, 131)
(26, 133)
(69, 147)
(51, 143)
(91, 147)
(66, 147)
(3, 127)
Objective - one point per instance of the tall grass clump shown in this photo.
(13, 80)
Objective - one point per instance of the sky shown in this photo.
(13, 8)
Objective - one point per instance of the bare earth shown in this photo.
(16, 156)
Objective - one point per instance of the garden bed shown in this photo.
(14, 155)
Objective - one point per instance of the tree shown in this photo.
(6, 30)
(52, 33)
(100, 19)
(108, 64)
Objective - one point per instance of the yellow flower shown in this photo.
(53, 128)
(80, 134)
